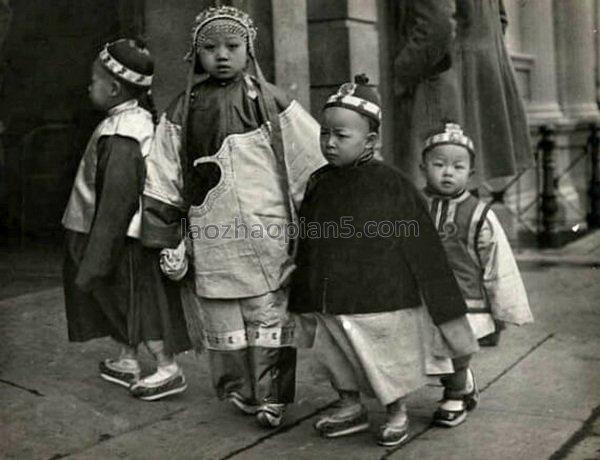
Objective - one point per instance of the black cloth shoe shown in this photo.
(172, 385)
(270, 415)
(391, 435)
(335, 425)
(243, 404)
(112, 371)
(451, 418)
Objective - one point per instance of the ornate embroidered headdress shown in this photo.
(223, 19)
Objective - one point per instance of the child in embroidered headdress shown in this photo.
(113, 286)
(361, 288)
(478, 251)
(232, 155)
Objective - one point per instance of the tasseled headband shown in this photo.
(126, 60)
(223, 19)
(359, 97)
(452, 134)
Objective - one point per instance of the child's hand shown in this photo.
(174, 262)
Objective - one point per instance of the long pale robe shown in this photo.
(502, 279)
(451, 64)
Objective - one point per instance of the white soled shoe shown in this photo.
(166, 381)
(123, 371)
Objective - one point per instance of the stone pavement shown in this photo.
(540, 390)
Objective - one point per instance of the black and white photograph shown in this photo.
(299, 229)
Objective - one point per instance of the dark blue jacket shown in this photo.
(386, 252)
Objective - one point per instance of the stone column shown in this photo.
(343, 41)
(522, 61)
(537, 35)
(513, 31)
(290, 43)
(576, 55)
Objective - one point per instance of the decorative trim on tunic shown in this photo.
(270, 337)
(234, 340)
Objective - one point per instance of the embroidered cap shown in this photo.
(127, 60)
(452, 134)
(359, 97)
(223, 19)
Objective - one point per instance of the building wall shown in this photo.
(343, 41)
(282, 44)
(168, 27)
(45, 73)
(555, 49)
(308, 48)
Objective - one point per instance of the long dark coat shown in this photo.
(452, 64)
(113, 285)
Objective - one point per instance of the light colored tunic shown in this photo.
(235, 255)
(483, 262)
(128, 120)
(384, 355)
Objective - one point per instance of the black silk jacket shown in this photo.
(386, 253)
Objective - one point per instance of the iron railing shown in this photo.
(549, 197)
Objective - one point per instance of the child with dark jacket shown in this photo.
(374, 294)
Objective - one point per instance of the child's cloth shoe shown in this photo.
(392, 435)
(343, 422)
(451, 413)
(243, 404)
(164, 382)
(124, 371)
(395, 430)
(454, 407)
(270, 415)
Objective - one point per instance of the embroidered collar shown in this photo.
(127, 105)
(458, 197)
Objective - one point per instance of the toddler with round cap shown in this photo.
(113, 285)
